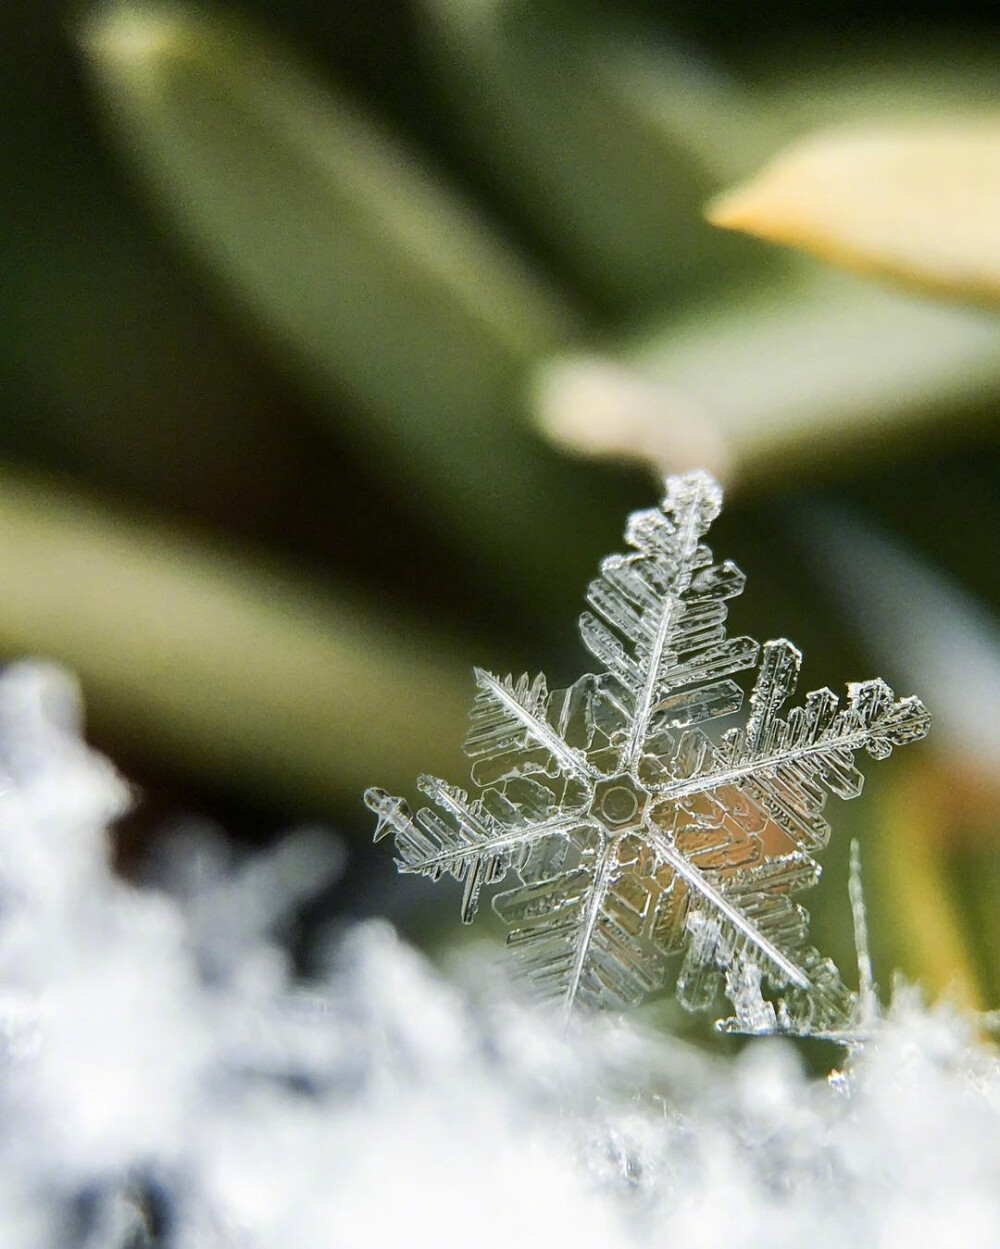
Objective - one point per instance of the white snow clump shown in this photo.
(166, 1080)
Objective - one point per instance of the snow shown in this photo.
(166, 1080)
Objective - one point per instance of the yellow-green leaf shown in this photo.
(218, 662)
(916, 887)
(920, 204)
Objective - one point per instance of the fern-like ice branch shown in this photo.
(641, 847)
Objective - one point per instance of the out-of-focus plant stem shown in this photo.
(916, 886)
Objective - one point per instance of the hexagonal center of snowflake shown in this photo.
(619, 802)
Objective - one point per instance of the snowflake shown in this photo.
(637, 840)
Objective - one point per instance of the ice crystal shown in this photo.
(637, 841)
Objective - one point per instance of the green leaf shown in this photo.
(790, 373)
(358, 266)
(606, 140)
(219, 663)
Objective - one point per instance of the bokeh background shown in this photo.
(337, 340)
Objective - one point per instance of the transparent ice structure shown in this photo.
(643, 850)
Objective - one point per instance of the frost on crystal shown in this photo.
(644, 850)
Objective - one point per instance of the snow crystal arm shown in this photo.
(515, 839)
(470, 845)
(660, 613)
(508, 702)
(727, 910)
(695, 502)
(576, 938)
(591, 914)
(788, 766)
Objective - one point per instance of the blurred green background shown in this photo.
(311, 315)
